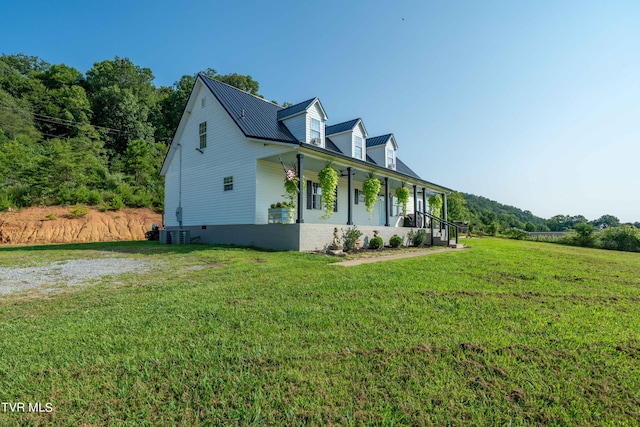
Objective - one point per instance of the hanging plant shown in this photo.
(328, 179)
(291, 181)
(435, 205)
(402, 194)
(370, 188)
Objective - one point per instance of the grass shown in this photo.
(507, 332)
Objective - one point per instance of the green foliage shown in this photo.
(518, 234)
(492, 229)
(6, 202)
(50, 216)
(395, 241)
(402, 194)
(529, 226)
(94, 198)
(623, 238)
(584, 234)
(456, 208)
(435, 205)
(376, 243)
(116, 203)
(349, 237)
(78, 211)
(370, 188)
(328, 179)
(417, 237)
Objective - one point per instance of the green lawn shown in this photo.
(506, 332)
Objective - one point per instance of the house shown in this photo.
(226, 166)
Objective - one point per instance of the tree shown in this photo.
(606, 221)
(584, 234)
(529, 226)
(456, 209)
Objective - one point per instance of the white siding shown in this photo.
(359, 131)
(228, 153)
(343, 141)
(379, 153)
(315, 112)
(298, 126)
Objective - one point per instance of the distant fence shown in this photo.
(547, 233)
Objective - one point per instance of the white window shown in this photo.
(315, 129)
(203, 135)
(390, 162)
(359, 150)
(228, 183)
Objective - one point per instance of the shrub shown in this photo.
(50, 216)
(584, 234)
(517, 233)
(492, 229)
(78, 211)
(104, 207)
(5, 202)
(126, 194)
(395, 241)
(95, 198)
(349, 237)
(117, 203)
(417, 238)
(624, 238)
(81, 194)
(376, 243)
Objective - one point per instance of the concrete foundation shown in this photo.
(288, 237)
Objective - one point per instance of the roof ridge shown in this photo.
(240, 90)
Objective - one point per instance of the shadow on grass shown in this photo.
(129, 247)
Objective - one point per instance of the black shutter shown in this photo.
(309, 194)
(357, 196)
(335, 204)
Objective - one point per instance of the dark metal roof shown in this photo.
(295, 109)
(378, 140)
(254, 116)
(403, 168)
(340, 127)
(370, 160)
(329, 145)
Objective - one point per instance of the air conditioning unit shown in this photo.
(392, 166)
(316, 142)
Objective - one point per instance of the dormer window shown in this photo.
(315, 130)
(390, 159)
(358, 147)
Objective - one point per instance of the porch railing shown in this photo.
(442, 223)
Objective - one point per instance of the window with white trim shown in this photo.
(390, 158)
(228, 183)
(358, 147)
(203, 135)
(315, 129)
(314, 196)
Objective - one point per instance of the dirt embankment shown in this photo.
(54, 224)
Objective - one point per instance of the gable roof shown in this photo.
(329, 145)
(255, 117)
(378, 140)
(299, 108)
(403, 168)
(341, 127)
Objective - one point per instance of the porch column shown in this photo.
(444, 206)
(415, 206)
(349, 197)
(424, 207)
(387, 201)
(300, 157)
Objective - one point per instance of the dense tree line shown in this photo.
(97, 138)
(483, 214)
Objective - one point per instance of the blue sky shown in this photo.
(532, 104)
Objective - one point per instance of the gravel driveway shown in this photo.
(65, 273)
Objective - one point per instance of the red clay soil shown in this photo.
(54, 224)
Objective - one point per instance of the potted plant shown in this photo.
(281, 213)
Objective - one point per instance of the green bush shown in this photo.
(81, 194)
(492, 229)
(623, 238)
(126, 194)
(78, 211)
(117, 203)
(94, 198)
(376, 243)
(5, 202)
(50, 216)
(395, 241)
(517, 233)
(417, 238)
(584, 235)
(349, 237)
